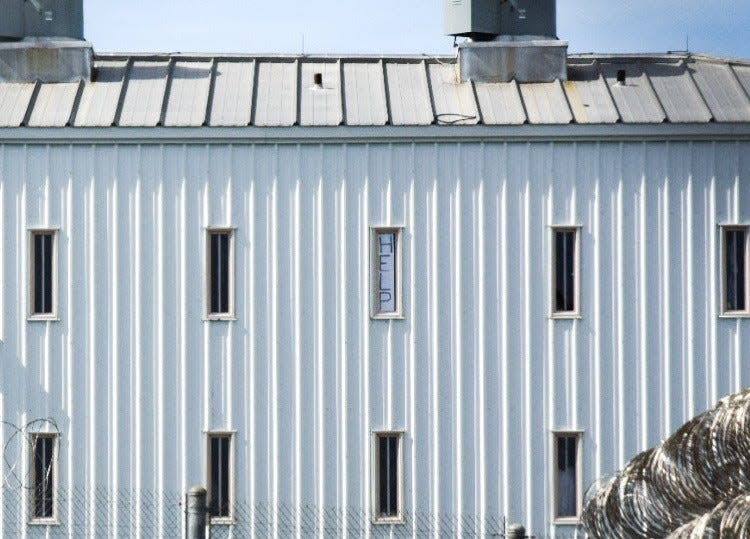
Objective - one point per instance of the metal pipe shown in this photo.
(197, 513)
(515, 531)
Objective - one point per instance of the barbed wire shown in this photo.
(694, 484)
(25, 435)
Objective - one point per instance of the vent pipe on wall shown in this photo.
(42, 40)
(507, 40)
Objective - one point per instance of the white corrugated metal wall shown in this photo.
(477, 374)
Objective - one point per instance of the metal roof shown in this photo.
(180, 90)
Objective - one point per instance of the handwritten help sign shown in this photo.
(386, 251)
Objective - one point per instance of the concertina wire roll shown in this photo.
(695, 484)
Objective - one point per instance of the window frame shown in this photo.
(230, 435)
(578, 435)
(724, 312)
(230, 314)
(398, 314)
(576, 312)
(54, 519)
(377, 518)
(53, 315)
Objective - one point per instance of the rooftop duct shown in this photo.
(508, 39)
(42, 40)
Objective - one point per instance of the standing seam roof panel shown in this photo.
(188, 94)
(588, 96)
(722, 92)
(364, 92)
(99, 98)
(14, 102)
(743, 75)
(409, 94)
(144, 96)
(500, 103)
(677, 92)
(54, 104)
(320, 106)
(276, 104)
(635, 100)
(454, 100)
(232, 103)
(545, 103)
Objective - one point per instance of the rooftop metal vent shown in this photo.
(508, 39)
(42, 40)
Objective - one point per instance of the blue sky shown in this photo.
(720, 27)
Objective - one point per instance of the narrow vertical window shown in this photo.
(43, 273)
(44, 477)
(568, 497)
(220, 475)
(565, 271)
(220, 273)
(387, 475)
(735, 246)
(386, 272)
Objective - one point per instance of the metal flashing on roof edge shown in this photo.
(374, 134)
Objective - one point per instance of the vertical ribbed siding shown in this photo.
(477, 374)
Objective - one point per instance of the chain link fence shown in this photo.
(81, 512)
(263, 520)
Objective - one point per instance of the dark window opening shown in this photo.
(44, 477)
(565, 268)
(42, 272)
(388, 475)
(567, 476)
(735, 241)
(219, 245)
(218, 475)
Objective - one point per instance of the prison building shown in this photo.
(359, 295)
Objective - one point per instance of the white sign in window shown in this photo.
(386, 273)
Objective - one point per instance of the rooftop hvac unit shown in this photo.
(40, 19)
(486, 19)
(42, 40)
(508, 40)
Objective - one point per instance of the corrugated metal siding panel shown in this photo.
(454, 100)
(364, 91)
(187, 102)
(321, 106)
(588, 96)
(233, 94)
(721, 90)
(635, 100)
(14, 102)
(99, 99)
(677, 93)
(54, 104)
(477, 373)
(276, 103)
(545, 103)
(409, 94)
(144, 97)
(500, 103)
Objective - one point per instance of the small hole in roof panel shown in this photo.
(621, 76)
(318, 81)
